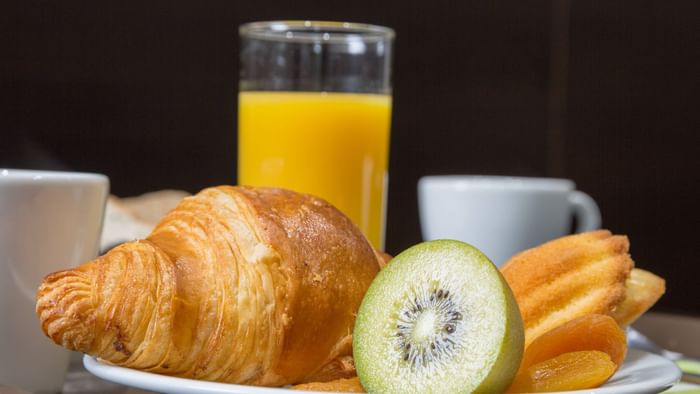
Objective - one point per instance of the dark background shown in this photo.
(603, 92)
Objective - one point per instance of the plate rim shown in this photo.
(171, 384)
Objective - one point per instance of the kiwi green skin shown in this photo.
(512, 346)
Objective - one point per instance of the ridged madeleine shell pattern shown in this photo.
(568, 277)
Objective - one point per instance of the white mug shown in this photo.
(49, 221)
(502, 215)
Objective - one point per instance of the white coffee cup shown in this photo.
(49, 221)
(501, 215)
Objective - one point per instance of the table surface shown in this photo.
(80, 381)
(675, 332)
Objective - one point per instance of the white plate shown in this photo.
(641, 373)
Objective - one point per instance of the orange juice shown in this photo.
(332, 145)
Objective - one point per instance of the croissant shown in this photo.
(243, 285)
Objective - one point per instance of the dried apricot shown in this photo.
(568, 371)
(351, 385)
(589, 332)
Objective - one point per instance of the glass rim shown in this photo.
(311, 31)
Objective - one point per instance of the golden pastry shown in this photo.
(243, 285)
(567, 278)
(642, 290)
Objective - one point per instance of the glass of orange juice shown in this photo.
(314, 114)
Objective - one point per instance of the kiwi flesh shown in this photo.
(439, 318)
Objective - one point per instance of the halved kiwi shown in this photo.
(439, 318)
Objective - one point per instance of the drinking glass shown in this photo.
(314, 114)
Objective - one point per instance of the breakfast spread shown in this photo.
(264, 286)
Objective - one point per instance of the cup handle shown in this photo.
(586, 211)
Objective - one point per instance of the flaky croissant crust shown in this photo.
(242, 285)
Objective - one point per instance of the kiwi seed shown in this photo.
(435, 310)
